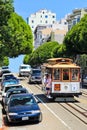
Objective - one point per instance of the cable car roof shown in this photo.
(60, 63)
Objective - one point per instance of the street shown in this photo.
(55, 116)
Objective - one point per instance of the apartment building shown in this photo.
(54, 32)
(48, 34)
(45, 26)
(75, 17)
(42, 17)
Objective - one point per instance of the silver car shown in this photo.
(35, 76)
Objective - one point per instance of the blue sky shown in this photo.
(26, 7)
(60, 7)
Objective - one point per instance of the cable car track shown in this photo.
(75, 109)
(80, 114)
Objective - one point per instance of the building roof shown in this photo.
(56, 31)
(46, 31)
(60, 31)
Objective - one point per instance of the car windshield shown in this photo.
(25, 67)
(9, 77)
(5, 67)
(16, 92)
(36, 72)
(22, 101)
(11, 87)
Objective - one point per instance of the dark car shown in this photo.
(85, 80)
(23, 107)
(35, 76)
(13, 91)
(5, 67)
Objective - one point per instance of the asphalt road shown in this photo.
(55, 117)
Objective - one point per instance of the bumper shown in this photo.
(65, 94)
(36, 80)
(15, 119)
(24, 74)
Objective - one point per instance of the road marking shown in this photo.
(52, 112)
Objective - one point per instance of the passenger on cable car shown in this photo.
(48, 84)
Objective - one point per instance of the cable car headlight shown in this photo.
(66, 87)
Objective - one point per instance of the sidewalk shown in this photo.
(0, 113)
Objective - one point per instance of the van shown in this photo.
(24, 70)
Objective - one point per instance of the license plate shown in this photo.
(25, 118)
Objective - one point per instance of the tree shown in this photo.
(6, 8)
(4, 61)
(59, 51)
(42, 53)
(18, 38)
(15, 35)
(76, 39)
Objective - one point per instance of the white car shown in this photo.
(24, 70)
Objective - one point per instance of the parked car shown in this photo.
(6, 88)
(5, 67)
(7, 76)
(5, 83)
(11, 92)
(35, 76)
(24, 70)
(23, 107)
(85, 80)
(4, 71)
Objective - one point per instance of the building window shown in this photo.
(32, 21)
(78, 19)
(40, 21)
(53, 16)
(65, 23)
(32, 26)
(53, 21)
(46, 21)
(46, 16)
(74, 22)
(69, 27)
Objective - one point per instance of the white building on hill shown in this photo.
(42, 17)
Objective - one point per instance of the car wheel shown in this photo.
(7, 120)
(29, 82)
(19, 75)
(40, 118)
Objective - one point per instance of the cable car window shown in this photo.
(56, 74)
(75, 73)
(65, 74)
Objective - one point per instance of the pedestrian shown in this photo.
(48, 84)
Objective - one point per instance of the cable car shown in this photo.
(65, 77)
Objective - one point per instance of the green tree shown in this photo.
(59, 51)
(15, 35)
(4, 61)
(42, 53)
(18, 37)
(6, 8)
(76, 38)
